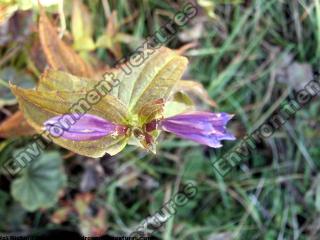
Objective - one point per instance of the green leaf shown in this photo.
(40, 182)
(153, 79)
(173, 108)
(317, 200)
(104, 41)
(84, 44)
(7, 75)
(6, 148)
(194, 89)
(179, 103)
(81, 26)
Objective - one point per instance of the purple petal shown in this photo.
(216, 118)
(88, 127)
(209, 140)
(202, 127)
(186, 127)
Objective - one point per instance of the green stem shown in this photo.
(4, 83)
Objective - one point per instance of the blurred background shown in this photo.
(250, 55)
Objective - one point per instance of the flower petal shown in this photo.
(202, 127)
(186, 127)
(197, 116)
(209, 140)
(88, 127)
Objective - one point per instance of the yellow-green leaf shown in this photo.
(195, 89)
(52, 80)
(39, 106)
(153, 79)
(81, 27)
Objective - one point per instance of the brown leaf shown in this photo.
(15, 126)
(37, 56)
(6, 11)
(17, 28)
(186, 47)
(112, 26)
(59, 55)
(91, 224)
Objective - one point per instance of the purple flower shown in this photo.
(88, 127)
(202, 127)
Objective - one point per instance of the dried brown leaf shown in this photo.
(59, 55)
(15, 126)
